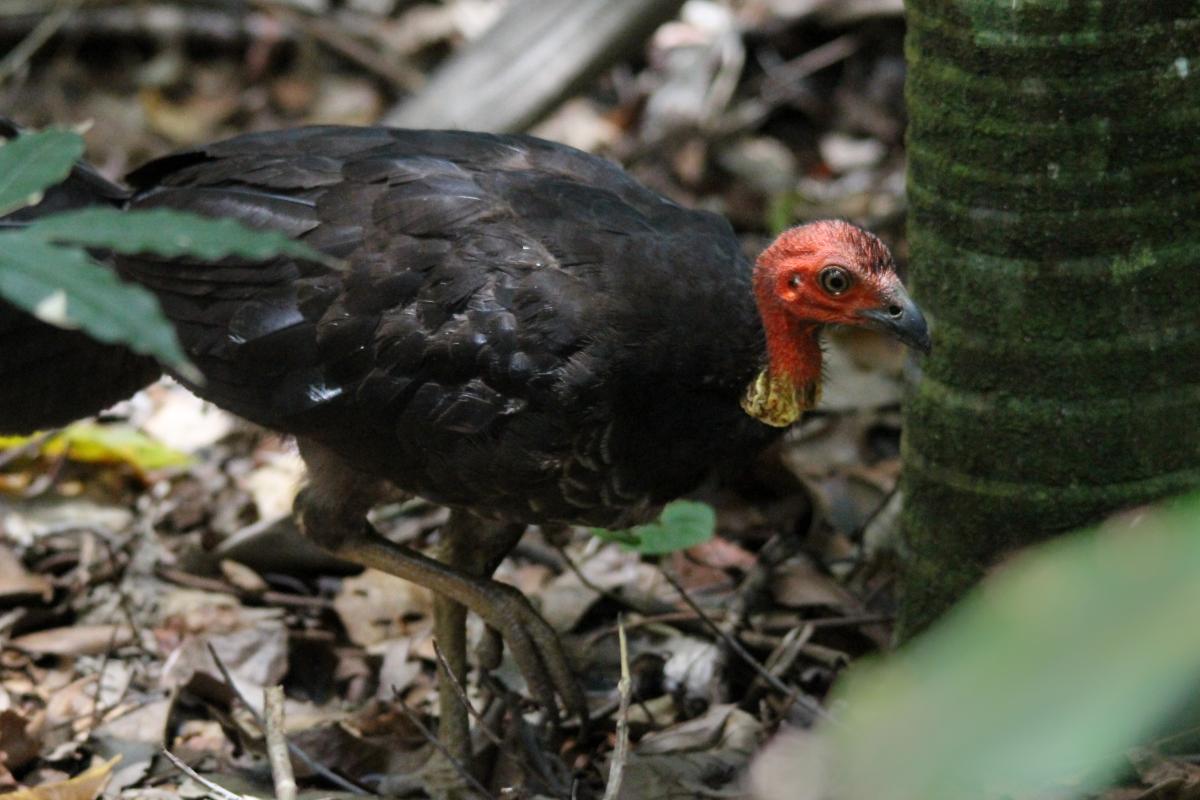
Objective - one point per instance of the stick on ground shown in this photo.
(620, 755)
(218, 790)
(277, 746)
(459, 767)
(295, 750)
(461, 691)
(809, 704)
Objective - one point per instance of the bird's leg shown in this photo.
(474, 547)
(450, 633)
(333, 513)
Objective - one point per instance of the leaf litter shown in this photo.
(129, 613)
(152, 590)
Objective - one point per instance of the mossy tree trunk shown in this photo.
(1055, 242)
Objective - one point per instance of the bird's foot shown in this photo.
(533, 643)
(535, 647)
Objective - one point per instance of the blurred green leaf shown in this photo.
(66, 287)
(1044, 676)
(32, 163)
(168, 233)
(682, 524)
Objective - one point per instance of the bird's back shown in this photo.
(515, 326)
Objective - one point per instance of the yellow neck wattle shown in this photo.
(776, 400)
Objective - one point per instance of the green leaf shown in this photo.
(65, 287)
(617, 537)
(33, 162)
(1044, 676)
(682, 524)
(169, 233)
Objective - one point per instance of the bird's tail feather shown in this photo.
(50, 376)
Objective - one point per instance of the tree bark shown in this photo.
(1055, 241)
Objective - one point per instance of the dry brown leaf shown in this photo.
(75, 701)
(694, 758)
(145, 723)
(703, 568)
(77, 640)
(373, 606)
(85, 786)
(255, 656)
(242, 576)
(566, 599)
(16, 581)
(275, 482)
(799, 584)
(17, 746)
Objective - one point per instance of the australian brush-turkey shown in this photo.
(518, 330)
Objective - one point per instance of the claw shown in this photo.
(537, 650)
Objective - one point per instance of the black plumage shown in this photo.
(517, 328)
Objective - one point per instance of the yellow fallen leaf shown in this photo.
(84, 786)
(93, 443)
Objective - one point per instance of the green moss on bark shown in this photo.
(1055, 242)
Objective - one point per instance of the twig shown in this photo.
(462, 696)
(733, 644)
(823, 623)
(277, 746)
(97, 713)
(216, 788)
(329, 33)
(620, 754)
(546, 765)
(268, 597)
(653, 619)
(322, 770)
(459, 767)
(37, 37)
(782, 84)
(28, 448)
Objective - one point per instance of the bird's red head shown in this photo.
(827, 272)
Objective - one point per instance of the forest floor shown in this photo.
(153, 583)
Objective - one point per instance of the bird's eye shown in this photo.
(795, 280)
(834, 280)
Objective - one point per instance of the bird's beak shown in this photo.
(900, 317)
